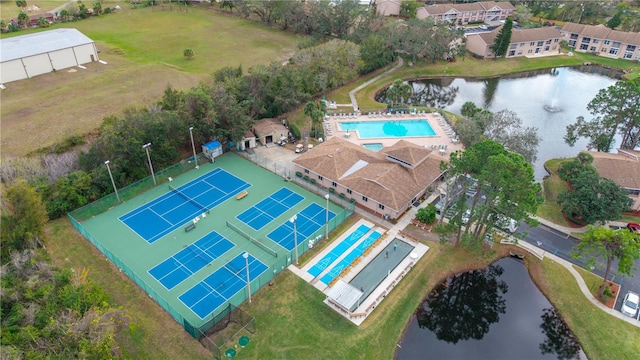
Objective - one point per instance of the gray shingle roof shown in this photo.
(39, 43)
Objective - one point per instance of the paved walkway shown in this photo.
(352, 93)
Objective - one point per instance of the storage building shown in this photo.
(26, 56)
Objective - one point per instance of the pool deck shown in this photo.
(392, 279)
(443, 143)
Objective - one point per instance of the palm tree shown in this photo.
(64, 15)
(399, 92)
(315, 111)
(23, 19)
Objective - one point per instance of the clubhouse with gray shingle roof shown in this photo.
(26, 56)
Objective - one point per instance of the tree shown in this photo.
(188, 53)
(408, 8)
(64, 15)
(399, 92)
(97, 8)
(21, 3)
(593, 198)
(315, 111)
(23, 19)
(23, 218)
(13, 27)
(616, 110)
(227, 3)
(621, 245)
(615, 21)
(523, 13)
(469, 109)
(375, 53)
(504, 184)
(427, 215)
(42, 22)
(506, 128)
(568, 170)
(503, 39)
(263, 8)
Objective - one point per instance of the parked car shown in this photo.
(507, 224)
(633, 227)
(465, 216)
(630, 304)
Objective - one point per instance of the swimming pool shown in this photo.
(373, 146)
(388, 129)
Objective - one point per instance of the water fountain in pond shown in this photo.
(553, 106)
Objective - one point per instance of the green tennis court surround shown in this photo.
(197, 275)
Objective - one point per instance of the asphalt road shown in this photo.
(561, 244)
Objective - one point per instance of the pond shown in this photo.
(548, 99)
(491, 313)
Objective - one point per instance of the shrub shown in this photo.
(427, 215)
(188, 53)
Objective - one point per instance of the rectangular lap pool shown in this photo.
(388, 129)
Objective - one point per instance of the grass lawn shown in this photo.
(9, 10)
(292, 321)
(601, 336)
(143, 50)
(553, 186)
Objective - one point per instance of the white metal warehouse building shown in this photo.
(26, 56)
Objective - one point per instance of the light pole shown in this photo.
(193, 146)
(326, 227)
(112, 182)
(246, 258)
(146, 147)
(295, 234)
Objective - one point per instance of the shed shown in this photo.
(212, 150)
(248, 141)
(26, 56)
(269, 131)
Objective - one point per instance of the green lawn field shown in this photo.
(143, 50)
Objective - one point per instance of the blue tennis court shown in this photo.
(347, 260)
(270, 208)
(309, 220)
(191, 259)
(206, 296)
(338, 250)
(175, 208)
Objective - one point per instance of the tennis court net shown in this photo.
(202, 207)
(259, 243)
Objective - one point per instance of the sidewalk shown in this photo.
(583, 286)
(565, 229)
(352, 93)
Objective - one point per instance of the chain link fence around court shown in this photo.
(279, 263)
(130, 191)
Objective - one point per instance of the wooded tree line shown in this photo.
(48, 313)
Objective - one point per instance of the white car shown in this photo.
(465, 216)
(507, 224)
(630, 304)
